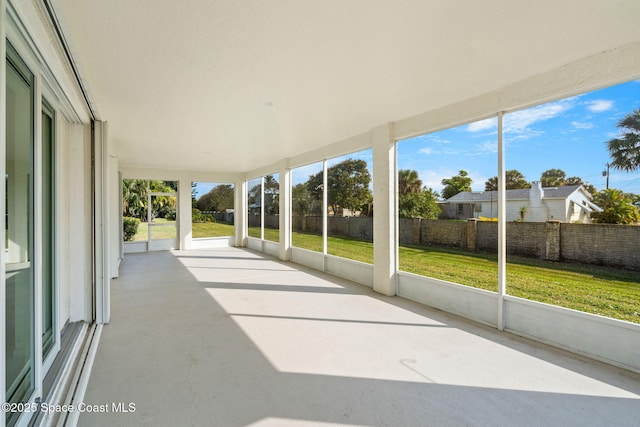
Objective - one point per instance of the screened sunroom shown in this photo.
(233, 213)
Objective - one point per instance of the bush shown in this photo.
(130, 227)
(198, 216)
(170, 214)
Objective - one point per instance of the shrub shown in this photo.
(130, 227)
(198, 216)
(170, 214)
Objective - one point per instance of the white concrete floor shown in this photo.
(227, 337)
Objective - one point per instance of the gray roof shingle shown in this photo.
(523, 193)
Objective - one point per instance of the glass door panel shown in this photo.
(48, 250)
(19, 233)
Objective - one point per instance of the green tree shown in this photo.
(514, 180)
(254, 194)
(423, 204)
(134, 198)
(617, 208)
(347, 186)
(456, 184)
(574, 180)
(553, 178)
(625, 150)
(408, 182)
(300, 199)
(218, 199)
(271, 195)
(163, 206)
(194, 192)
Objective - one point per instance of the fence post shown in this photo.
(472, 230)
(552, 247)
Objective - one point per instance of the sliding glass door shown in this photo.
(19, 274)
(48, 228)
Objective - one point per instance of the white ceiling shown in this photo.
(234, 85)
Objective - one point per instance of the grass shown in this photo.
(607, 291)
(165, 230)
(211, 229)
(358, 250)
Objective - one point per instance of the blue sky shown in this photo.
(567, 134)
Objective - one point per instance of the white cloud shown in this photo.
(521, 121)
(486, 124)
(582, 125)
(600, 105)
(433, 179)
(489, 147)
(426, 150)
(434, 138)
(518, 125)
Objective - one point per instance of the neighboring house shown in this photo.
(570, 203)
(269, 200)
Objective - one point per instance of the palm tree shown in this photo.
(408, 182)
(134, 198)
(625, 150)
(617, 208)
(553, 178)
(513, 178)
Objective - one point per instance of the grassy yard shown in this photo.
(165, 230)
(345, 247)
(611, 292)
(211, 229)
(607, 291)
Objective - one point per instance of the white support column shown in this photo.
(384, 208)
(262, 209)
(184, 214)
(114, 215)
(502, 227)
(240, 212)
(101, 237)
(285, 211)
(325, 208)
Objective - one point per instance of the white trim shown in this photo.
(502, 226)
(3, 166)
(325, 208)
(82, 374)
(18, 33)
(594, 72)
(101, 238)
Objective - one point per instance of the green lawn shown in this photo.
(358, 250)
(211, 229)
(166, 230)
(607, 291)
